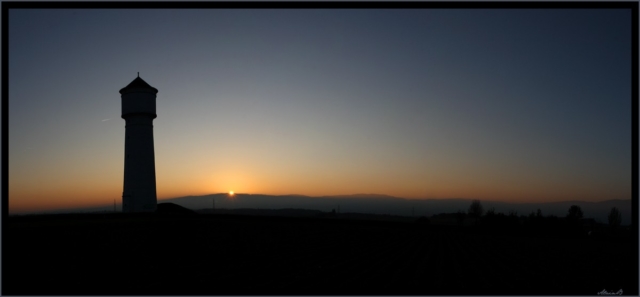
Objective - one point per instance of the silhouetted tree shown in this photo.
(476, 210)
(573, 224)
(615, 218)
(539, 214)
(575, 213)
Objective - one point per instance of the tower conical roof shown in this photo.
(138, 83)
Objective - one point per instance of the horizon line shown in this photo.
(388, 196)
(341, 196)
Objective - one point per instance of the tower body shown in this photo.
(138, 111)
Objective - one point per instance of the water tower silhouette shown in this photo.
(138, 111)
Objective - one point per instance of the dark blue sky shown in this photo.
(502, 104)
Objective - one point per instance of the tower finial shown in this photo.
(138, 74)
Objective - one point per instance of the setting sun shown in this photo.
(230, 193)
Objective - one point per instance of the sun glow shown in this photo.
(230, 193)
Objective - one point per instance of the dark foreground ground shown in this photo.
(244, 255)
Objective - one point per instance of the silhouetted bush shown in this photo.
(476, 209)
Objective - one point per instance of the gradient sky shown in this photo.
(505, 105)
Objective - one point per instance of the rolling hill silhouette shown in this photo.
(384, 204)
(173, 209)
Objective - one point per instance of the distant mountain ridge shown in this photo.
(362, 196)
(381, 204)
(385, 204)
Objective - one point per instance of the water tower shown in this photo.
(138, 111)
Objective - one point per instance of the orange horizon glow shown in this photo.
(84, 190)
(37, 202)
